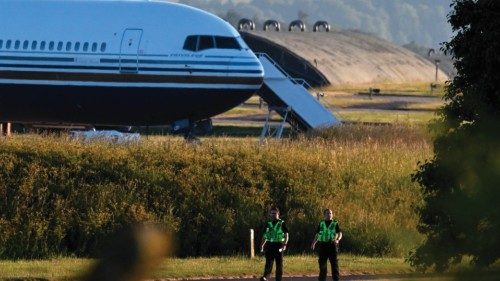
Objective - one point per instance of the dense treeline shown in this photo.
(460, 215)
(65, 197)
(402, 21)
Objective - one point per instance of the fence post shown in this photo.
(5, 129)
(252, 247)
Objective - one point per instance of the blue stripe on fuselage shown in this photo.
(141, 61)
(41, 59)
(229, 63)
(162, 69)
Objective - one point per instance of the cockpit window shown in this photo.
(191, 43)
(206, 42)
(226, 43)
(203, 42)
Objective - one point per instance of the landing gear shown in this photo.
(190, 134)
(191, 129)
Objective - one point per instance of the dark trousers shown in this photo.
(328, 251)
(273, 254)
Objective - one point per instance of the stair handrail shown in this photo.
(298, 81)
(307, 86)
(275, 64)
(302, 82)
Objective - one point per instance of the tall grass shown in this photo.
(65, 197)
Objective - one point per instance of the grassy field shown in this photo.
(173, 268)
(67, 268)
(397, 103)
(413, 113)
(363, 169)
(418, 89)
(398, 117)
(238, 111)
(346, 100)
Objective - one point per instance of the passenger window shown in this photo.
(17, 44)
(85, 46)
(42, 45)
(33, 45)
(77, 46)
(94, 47)
(8, 44)
(68, 46)
(226, 43)
(191, 43)
(51, 45)
(25, 44)
(59, 46)
(206, 42)
(103, 47)
(1, 44)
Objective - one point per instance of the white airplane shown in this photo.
(118, 62)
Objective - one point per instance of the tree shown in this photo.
(460, 215)
(232, 16)
(303, 16)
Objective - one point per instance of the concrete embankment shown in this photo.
(343, 58)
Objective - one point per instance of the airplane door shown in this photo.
(129, 51)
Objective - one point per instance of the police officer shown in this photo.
(327, 237)
(274, 243)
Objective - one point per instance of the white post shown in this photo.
(252, 248)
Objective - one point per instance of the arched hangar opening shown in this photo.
(247, 24)
(274, 23)
(297, 24)
(317, 26)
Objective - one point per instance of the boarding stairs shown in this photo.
(304, 111)
(275, 130)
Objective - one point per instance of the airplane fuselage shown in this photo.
(119, 63)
